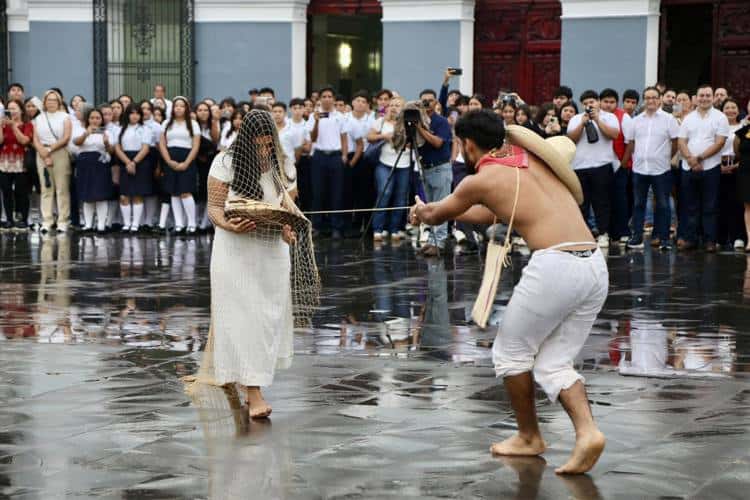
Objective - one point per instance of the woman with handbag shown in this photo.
(14, 179)
(382, 136)
(52, 131)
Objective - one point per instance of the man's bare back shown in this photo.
(546, 215)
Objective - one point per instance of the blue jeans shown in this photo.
(327, 190)
(662, 186)
(618, 226)
(699, 193)
(395, 195)
(437, 185)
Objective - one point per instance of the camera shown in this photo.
(589, 110)
(509, 99)
(411, 120)
(7, 113)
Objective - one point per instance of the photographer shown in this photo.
(447, 99)
(397, 190)
(593, 132)
(436, 164)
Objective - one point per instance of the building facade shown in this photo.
(102, 48)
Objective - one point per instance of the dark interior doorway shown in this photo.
(687, 45)
(346, 52)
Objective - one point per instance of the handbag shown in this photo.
(49, 125)
(497, 259)
(372, 153)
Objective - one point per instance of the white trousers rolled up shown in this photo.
(549, 317)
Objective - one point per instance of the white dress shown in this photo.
(251, 302)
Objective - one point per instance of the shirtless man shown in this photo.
(562, 289)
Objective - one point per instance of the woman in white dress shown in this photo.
(251, 296)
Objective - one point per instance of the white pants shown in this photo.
(549, 317)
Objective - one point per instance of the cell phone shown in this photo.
(99, 130)
(456, 71)
(677, 108)
(7, 113)
(454, 115)
(553, 119)
(323, 114)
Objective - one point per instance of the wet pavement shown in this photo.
(391, 395)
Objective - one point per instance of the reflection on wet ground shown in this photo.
(390, 395)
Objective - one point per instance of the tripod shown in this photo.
(410, 143)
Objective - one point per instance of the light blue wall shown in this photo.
(601, 53)
(235, 57)
(20, 68)
(415, 54)
(62, 56)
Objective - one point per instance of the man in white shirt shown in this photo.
(160, 93)
(330, 157)
(618, 222)
(702, 135)
(594, 162)
(291, 139)
(652, 141)
(298, 123)
(362, 192)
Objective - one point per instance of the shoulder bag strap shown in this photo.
(508, 238)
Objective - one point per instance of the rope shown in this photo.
(356, 210)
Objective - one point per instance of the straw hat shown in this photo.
(556, 152)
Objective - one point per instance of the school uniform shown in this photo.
(179, 145)
(131, 141)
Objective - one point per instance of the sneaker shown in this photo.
(603, 241)
(666, 246)
(635, 243)
(44, 230)
(385, 234)
(739, 244)
(624, 240)
(459, 235)
(377, 236)
(134, 229)
(125, 229)
(21, 226)
(396, 236)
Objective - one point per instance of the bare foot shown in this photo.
(258, 406)
(519, 446)
(589, 447)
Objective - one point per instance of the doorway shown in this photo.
(687, 45)
(346, 52)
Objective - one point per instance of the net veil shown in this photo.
(256, 189)
(259, 165)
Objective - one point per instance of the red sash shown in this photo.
(508, 156)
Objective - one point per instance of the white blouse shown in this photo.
(227, 141)
(134, 138)
(49, 125)
(155, 129)
(178, 136)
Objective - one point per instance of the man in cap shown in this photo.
(563, 287)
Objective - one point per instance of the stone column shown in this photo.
(423, 37)
(241, 44)
(609, 43)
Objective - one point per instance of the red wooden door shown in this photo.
(517, 46)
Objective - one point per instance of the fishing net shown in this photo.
(258, 192)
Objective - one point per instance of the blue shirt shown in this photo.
(440, 127)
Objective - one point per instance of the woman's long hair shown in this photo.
(132, 108)
(249, 162)
(188, 120)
